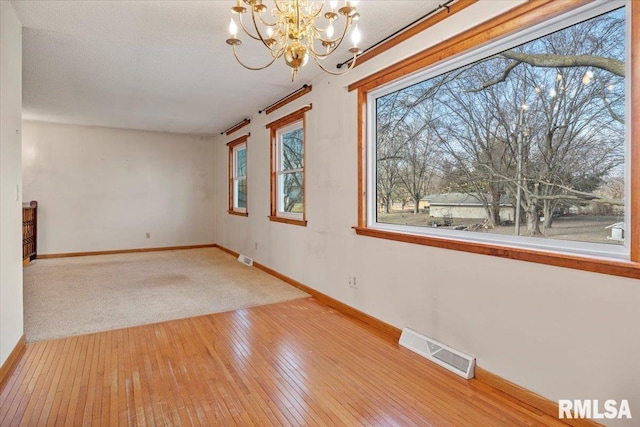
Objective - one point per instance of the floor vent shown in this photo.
(453, 360)
(245, 260)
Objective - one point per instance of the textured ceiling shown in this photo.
(159, 65)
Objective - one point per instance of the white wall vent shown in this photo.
(245, 260)
(445, 356)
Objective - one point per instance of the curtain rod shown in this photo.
(283, 98)
(237, 125)
(440, 6)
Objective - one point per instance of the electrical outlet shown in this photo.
(352, 281)
(148, 235)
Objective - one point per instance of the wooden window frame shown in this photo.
(445, 12)
(233, 145)
(274, 127)
(514, 20)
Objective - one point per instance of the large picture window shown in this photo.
(238, 176)
(288, 168)
(522, 143)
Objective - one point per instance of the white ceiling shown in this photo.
(160, 65)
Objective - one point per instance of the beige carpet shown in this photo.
(71, 296)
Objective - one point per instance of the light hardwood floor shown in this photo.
(294, 363)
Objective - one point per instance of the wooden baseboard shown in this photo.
(541, 403)
(124, 251)
(519, 393)
(7, 367)
(389, 330)
(26, 261)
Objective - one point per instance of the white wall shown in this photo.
(104, 189)
(563, 333)
(11, 325)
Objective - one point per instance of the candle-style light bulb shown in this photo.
(269, 32)
(355, 36)
(330, 30)
(233, 28)
(333, 4)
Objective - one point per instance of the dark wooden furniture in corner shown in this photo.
(29, 232)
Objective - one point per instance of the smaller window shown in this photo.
(288, 168)
(238, 176)
(290, 171)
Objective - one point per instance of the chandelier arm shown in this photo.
(255, 25)
(275, 2)
(334, 73)
(268, 24)
(277, 53)
(315, 15)
(235, 53)
(338, 41)
(245, 29)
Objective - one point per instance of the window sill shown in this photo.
(300, 222)
(231, 212)
(596, 265)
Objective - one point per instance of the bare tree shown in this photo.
(602, 52)
(388, 148)
(419, 155)
(568, 143)
(405, 151)
(474, 136)
(292, 159)
(544, 120)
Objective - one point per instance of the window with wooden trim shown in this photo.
(238, 176)
(518, 148)
(288, 168)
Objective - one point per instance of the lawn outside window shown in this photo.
(519, 148)
(288, 168)
(238, 176)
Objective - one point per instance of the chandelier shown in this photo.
(289, 30)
